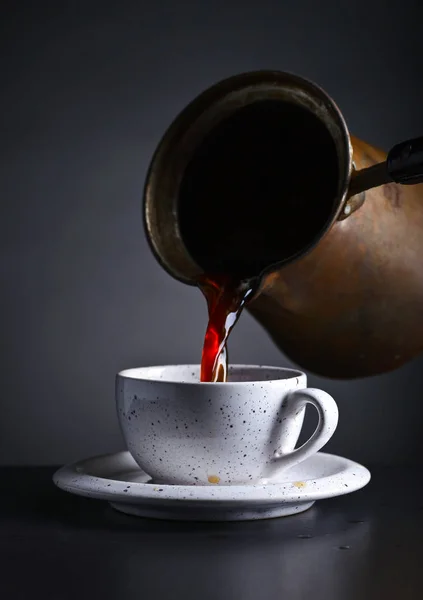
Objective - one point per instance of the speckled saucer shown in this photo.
(118, 479)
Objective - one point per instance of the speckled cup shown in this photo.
(181, 431)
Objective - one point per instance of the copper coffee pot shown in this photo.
(259, 175)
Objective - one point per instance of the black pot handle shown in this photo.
(405, 162)
(403, 165)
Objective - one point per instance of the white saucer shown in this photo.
(119, 480)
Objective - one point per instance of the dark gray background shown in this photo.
(86, 93)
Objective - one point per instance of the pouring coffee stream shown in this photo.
(226, 297)
(258, 187)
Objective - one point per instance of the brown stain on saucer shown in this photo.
(213, 479)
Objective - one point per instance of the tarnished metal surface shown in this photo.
(189, 129)
(352, 304)
(353, 307)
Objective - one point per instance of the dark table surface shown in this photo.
(57, 546)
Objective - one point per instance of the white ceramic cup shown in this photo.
(181, 431)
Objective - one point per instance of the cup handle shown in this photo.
(327, 411)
